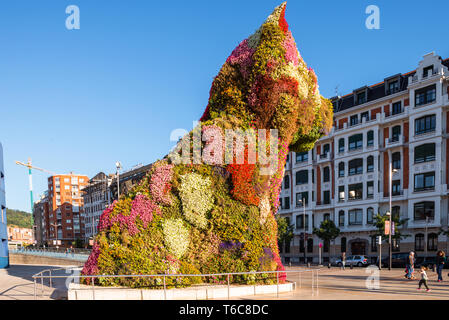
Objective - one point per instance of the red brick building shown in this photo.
(63, 217)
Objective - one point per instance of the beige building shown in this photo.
(402, 122)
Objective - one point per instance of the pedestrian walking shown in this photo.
(424, 279)
(441, 260)
(343, 260)
(410, 265)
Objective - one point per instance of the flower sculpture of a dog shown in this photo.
(203, 209)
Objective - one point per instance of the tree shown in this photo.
(19, 218)
(327, 232)
(285, 231)
(379, 223)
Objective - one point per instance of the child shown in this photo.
(424, 278)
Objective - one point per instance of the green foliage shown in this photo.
(19, 218)
(285, 231)
(327, 231)
(379, 223)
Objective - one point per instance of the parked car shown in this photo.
(429, 262)
(356, 260)
(398, 260)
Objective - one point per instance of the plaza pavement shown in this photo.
(16, 283)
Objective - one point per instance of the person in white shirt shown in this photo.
(424, 278)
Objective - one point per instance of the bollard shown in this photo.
(93, 289)
(277, 282)
(165, 290)
(351, 266)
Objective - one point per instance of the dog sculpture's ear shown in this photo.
(321, 126)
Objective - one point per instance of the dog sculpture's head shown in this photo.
(265, 84)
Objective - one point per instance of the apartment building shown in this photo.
(96, 197)
(399, 126)
(4, 253)
(20, 236)
(39, 209)
(64, 216)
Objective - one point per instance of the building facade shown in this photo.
(63, 218)
(20, 236)
(39, 209)
(96, 197)
(4, 253)
(399, 126)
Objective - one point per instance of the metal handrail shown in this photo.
(40, 275)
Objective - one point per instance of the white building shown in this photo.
(403, 122)
(96, 200)
(4, 255)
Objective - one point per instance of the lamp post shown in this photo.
(118, 165)
(391, 170)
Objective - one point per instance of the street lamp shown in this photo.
(392, 171)
(118, 165)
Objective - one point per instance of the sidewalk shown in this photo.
(16, 283)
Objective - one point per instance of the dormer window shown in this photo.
(354, 120)
(393, 87)
(361, 98)
(427, 71)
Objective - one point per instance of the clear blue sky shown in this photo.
(114, 90)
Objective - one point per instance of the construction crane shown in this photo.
(30, 166)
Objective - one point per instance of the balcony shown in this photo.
(395, 141)
(323, 157)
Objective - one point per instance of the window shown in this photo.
(397, 107)
(326, 197)
(373, 243)
(432, 242)
(287, 182)
(354, 120)
(370, 164)
(310, 245)
(396, 211)
(326, 149)
(425, 153)
(370, 138)
(355, 191)
(355, 217)
(396, 158)
(355, 167)
(341, 169)
(286, 203)
(356, 141)
(395, 133)
(361, 97)
(364, 115)
(425, 95)
(341, 193)
(326, 174)
(343, 244)
(288, 157)
(427, 71)
(369, 215)
(302, 156)
(424, 181)
(302, 177)
(341, 218)
(313, 176)
(419, 242)
(370, 189)
(393, 87)
(300, 197)
(423, 210)
(425, 124)
(396, 188)
(326, 217)
(395, 243)
(341, 145)
(326, 246)
(300, 221)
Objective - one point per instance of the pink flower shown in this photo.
(242, 56)
(291, 52)
(160, 184)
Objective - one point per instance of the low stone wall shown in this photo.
(84, 292)
(18, 258)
